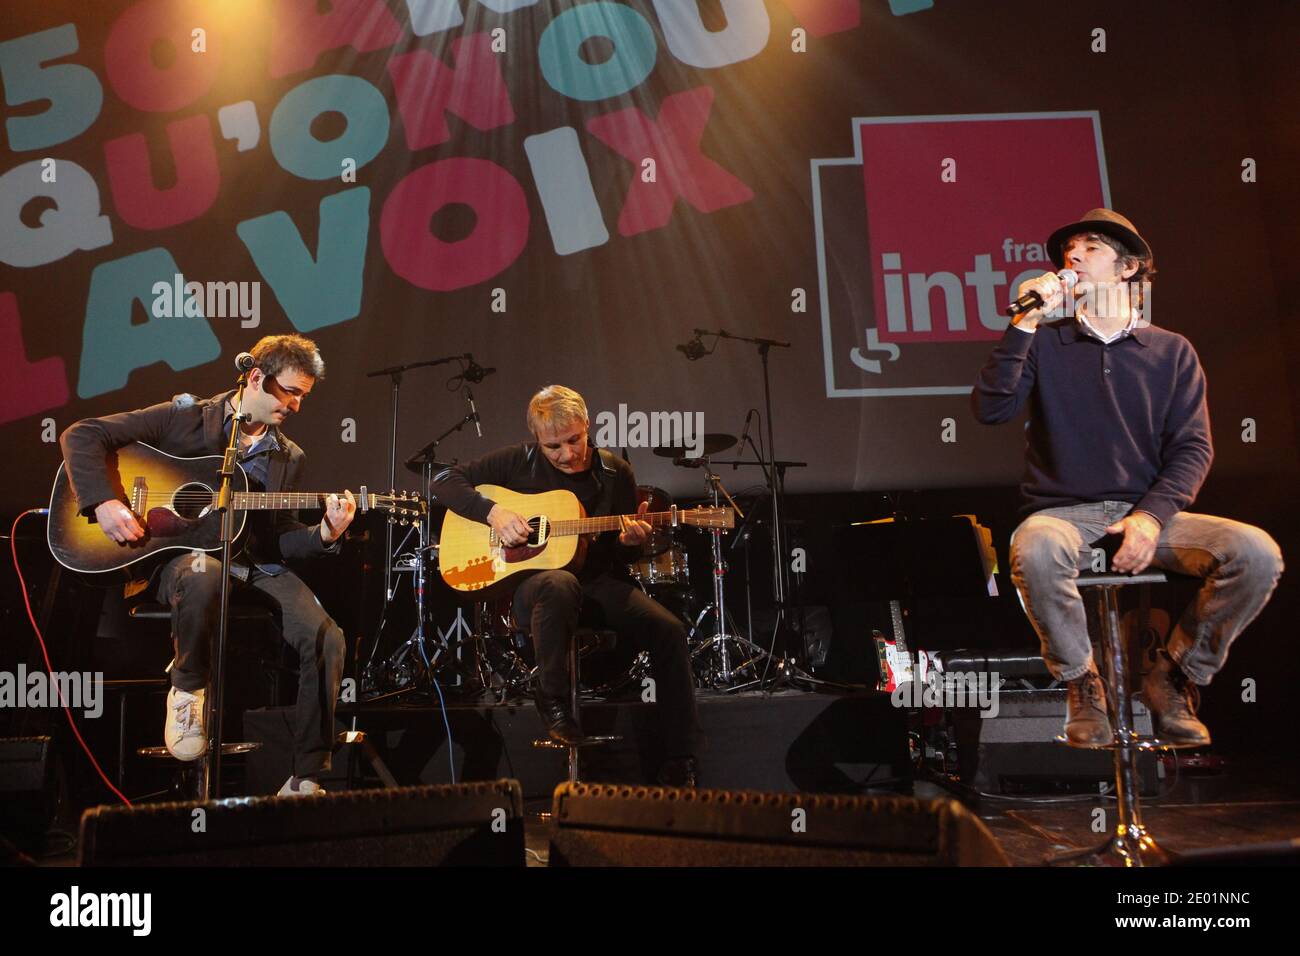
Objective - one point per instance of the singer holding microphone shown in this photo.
(1117, 442)
(284, 370)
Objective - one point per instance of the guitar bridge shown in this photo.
(139, 495)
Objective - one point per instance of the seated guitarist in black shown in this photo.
(287, 368)
(548, 602)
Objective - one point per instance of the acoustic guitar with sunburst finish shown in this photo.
(174, 499)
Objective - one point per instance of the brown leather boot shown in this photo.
(1086, 721)
(1173, 699)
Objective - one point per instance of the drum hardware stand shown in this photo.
(394, 372)
(775, 475)
(412, 661)
(720, 642)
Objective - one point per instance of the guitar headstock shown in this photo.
(708, 517)
(405, 507)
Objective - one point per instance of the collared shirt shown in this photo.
(1089, 329)
(255, 460)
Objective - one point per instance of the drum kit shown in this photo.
(483, 653)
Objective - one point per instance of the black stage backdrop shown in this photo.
(566, 190)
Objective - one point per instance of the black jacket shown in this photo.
(188, 427)
(608, 488)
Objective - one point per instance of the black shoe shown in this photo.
(680, 772)
(559, 723)
(1086, 722)
(1173, 699)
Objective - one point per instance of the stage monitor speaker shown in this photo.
(468, 824)
(1016, 752)
(612, 825)
(28, 795)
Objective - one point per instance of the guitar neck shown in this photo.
(613, 522)
(277, 500)
(896, 620)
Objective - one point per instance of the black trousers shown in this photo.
(548, 604)
(191, 586)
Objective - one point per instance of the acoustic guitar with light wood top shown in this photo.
(472, 558)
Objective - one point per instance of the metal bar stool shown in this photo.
(595, 637)
(190, 781)
(1131, 843)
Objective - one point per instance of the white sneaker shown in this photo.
(184, 734)
(305, 788)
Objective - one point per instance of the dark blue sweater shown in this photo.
(1119, 422)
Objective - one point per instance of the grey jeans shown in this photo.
(1240, 565)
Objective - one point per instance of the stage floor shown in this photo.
(801, 742)
(1249, 803)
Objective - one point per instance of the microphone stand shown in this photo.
(416, 646)
(394, 372)
(775, 480)
(210, 775)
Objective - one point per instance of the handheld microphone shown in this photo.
(244, 362)
(1032, 300)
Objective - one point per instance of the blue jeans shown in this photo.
(1240, 565)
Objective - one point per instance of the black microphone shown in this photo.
(693, 350)
(244, 362)
(469, 396)
(1032, 300)
(743, 435)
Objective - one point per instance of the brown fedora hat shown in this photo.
(1106, 221)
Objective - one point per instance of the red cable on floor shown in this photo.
(13, 547)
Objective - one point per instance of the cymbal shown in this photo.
(713, 443)
(417, 465)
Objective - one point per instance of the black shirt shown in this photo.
(608, 487)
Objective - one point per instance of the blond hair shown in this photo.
(554, 407)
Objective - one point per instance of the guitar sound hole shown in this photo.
(192, 500)
(535, 530)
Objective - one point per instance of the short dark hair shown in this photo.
(1146, 265)
(275, 353)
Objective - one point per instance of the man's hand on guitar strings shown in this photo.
(511, 528)
(338, 515)
(634, 532)
(118, 522)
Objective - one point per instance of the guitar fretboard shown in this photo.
(273, 500)
(612, 522)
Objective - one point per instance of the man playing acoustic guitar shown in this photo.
(547, 603)
(287, 366)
